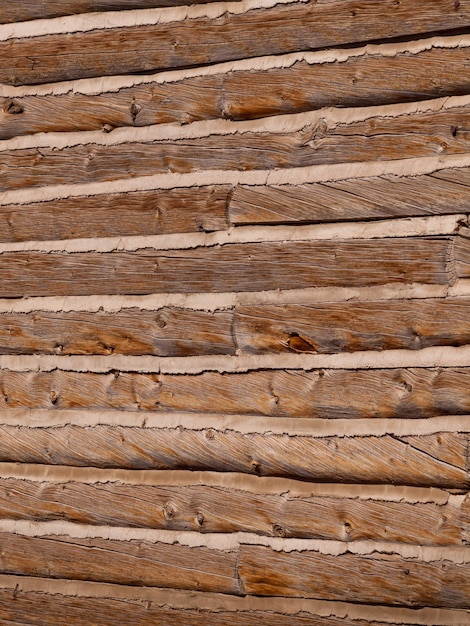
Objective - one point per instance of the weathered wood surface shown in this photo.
(257, 32)
(218, 510)
(33, 10)
(375, 579)
(167, 332)
(350, 326)
(157, 212)
(361, 198)
(375, 460)
(314, 328)
(373, 139)
(389, 393)
(230, 267)
(465, 519)
(137, 563)
(462, 253)
(21, 608)
(246, 94)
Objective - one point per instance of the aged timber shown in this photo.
(192, 42)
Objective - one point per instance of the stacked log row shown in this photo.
(234, 313)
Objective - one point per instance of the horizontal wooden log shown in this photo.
(379, 137)
(352, 326)
(376, 460)
(314, 328)
(465, 519)
(390, 393)
(277, 30)
(365, 80)
(115, 215)
(362, 198)
(231, 267)
(375, 579)
(19, 607)
(167, 332)
(31, 10)
(218, 510)
(137, 563)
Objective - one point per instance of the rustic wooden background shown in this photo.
(234, 313)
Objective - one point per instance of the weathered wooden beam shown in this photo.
(114, 215)
(167, 332)
(311, 141)
(352, 326)
(365, 80)
(376, 460)
(375, 578)
(31, 10)
(276, 30)
(218, 510)
(139, 563)
(389, 393)
(231, 267)
(314, 328)
(17, 607)
(361, 198)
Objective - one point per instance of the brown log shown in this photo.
(389, 393)
(462, 253)
(375, 138)
(230, 267)
(31, 10)
(219, 510)
(362, 198)
(465, 519)
(277, 30)
(375, 579)
(21, 608)
(167, 332)
(117, 215)
(352, 326)
(246, 94)
(138, 563)
(376, 460)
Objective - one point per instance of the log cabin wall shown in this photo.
(234, 313)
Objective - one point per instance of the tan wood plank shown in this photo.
(277, 30)
(137, 563)
(361, 198)
(375, 579)
(167, 332)
(226, 268)
(32, 10)
(21, 608)
(389, 393)
(375, 138)
(352, 326)
(450, 447)
(376, 460)
(219, 510)
(465, 519)
(246, 94)
(113, 215)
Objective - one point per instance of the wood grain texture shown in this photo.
(465, 519)
(352, 326)
(230, 267)
(246, 94)
(258, 32)
(218, 510)
(137, 563)
(113, 215)
(35, 609)
(377, 138)
(362, 198)
(462, 253)
(377, 579)
(315, 328)
(391, 393)
(167, 332)
(373, 460)
(31, 10)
